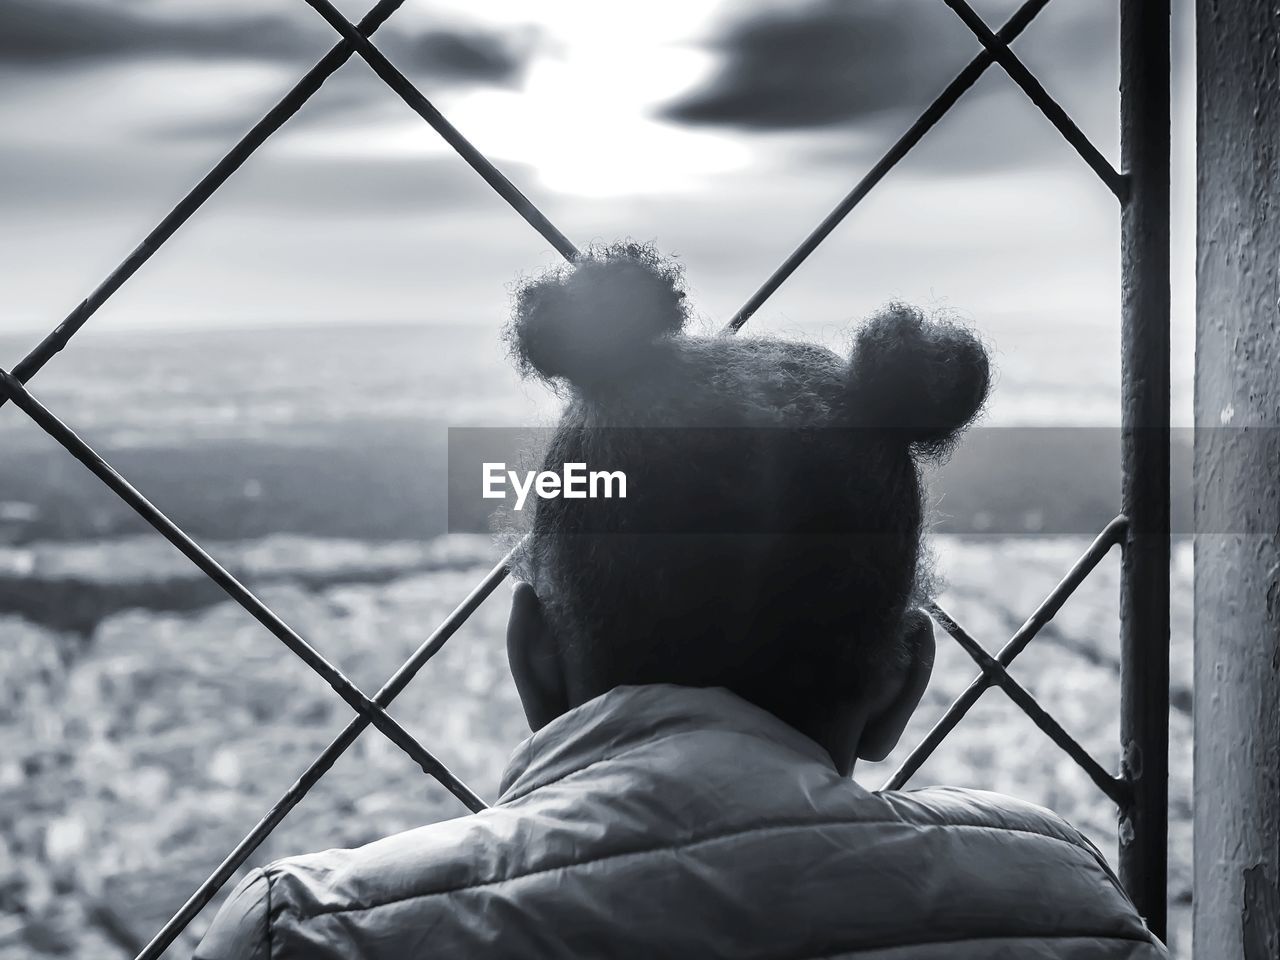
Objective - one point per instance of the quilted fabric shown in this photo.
(666, 821)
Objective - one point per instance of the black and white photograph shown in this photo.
(763, 479)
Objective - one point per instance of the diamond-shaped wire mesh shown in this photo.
(371, 710)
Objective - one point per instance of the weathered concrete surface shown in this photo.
(1237, 577)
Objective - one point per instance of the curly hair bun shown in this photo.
(924, 379)
(597, 321)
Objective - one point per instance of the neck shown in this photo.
(837, 727)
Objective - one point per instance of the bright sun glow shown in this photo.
(584, 117)
(586, 128)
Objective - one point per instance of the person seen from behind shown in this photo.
(703, 663)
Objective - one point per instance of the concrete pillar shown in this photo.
(1237, 482)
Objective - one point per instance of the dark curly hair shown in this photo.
(770, 541)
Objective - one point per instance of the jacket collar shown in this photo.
(629, 717)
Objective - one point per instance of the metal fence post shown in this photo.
(1144, 591)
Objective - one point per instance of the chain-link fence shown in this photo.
(1141, 529)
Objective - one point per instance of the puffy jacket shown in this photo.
(666, 821)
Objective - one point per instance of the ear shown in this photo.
(534, 657)
(885, 726)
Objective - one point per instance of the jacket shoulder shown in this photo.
(1005, 819)
(241, 930)
(984, 810)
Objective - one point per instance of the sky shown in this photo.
(722, 131)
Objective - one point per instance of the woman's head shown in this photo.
(770, 538)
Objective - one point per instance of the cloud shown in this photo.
(41, 32)
(44, 40)
(836, 64)
(339, 101)
(49, 183)
(820, 64)
(37, 33)
(341, 189)
(467, 55)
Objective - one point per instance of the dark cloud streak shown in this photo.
(473, 55)
(47, 33)
(841, 64)
(52, 32)
(821, 64)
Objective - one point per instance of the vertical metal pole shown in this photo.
(1144, 591)
(1237, 482)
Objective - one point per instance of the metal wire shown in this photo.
(996, 674)
(965, 79)
(355, 39)
(1112, 534)
(236, 590)
(322, 764)
(1038, 95)
(275, 118)
(410, 94)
